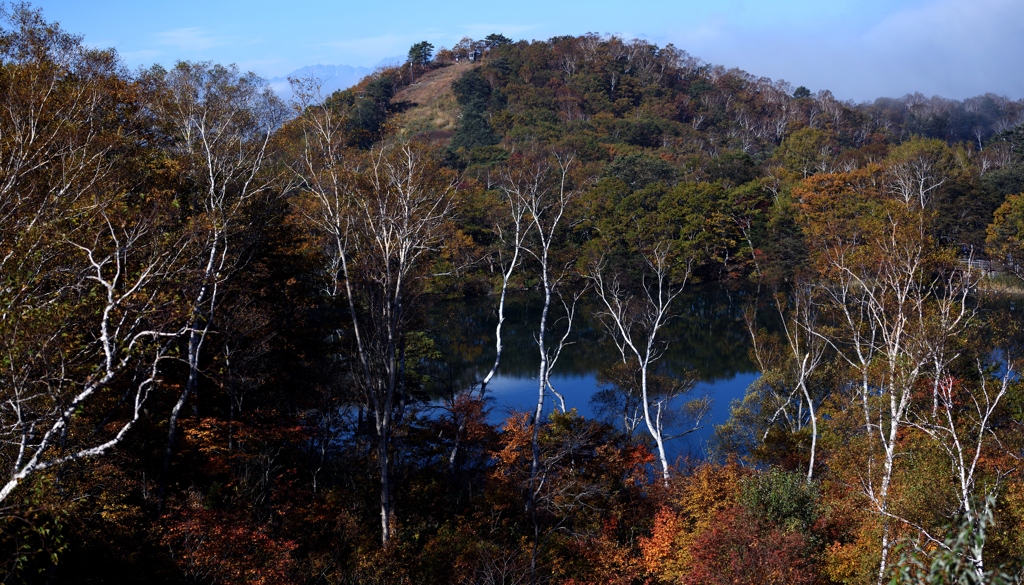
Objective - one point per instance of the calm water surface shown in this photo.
(707, 337)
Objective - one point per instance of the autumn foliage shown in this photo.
(232, 349)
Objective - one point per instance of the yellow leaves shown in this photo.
(1005, 238)
(807, 151)
(1007, 535)
(207, 437)
(858, 220)
(459, 248)
(856, 562)
(707, 490)
(834, 206)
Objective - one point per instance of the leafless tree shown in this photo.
(513, 229)
(381, 216)
(220, 123)
(84, 307)
(48, 388)
(891, 310)
(964, 428)
(544, 188)
(807, 349)
(635, 323)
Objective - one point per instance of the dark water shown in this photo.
(707, 337)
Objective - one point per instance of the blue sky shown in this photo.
(857, 49)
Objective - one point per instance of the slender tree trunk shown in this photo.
(542, 383)
(659, 298)
(505, 276)
(385, 491)
(654, 426)
(195, 342)
(497, 343)
(814, 429)
(883, 495)
(196, 338)
(884, 508)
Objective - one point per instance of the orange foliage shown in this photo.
(515, 442)
(659, 546)
(606, 561)
(694, 502)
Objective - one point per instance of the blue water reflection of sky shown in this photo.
(706, 340)
(514, 394)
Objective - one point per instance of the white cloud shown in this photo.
(976, 23)
(140, 57)
(953, 48)
(189, 39)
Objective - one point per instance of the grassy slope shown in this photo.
(430, 106)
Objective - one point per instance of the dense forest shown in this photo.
(217, 365)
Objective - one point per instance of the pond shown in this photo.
(707, 338)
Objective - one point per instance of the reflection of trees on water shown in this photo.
(707, 336)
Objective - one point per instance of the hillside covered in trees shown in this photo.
(221, 361)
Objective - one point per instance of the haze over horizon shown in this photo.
(858, 50)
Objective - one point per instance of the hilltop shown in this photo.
(428, 107)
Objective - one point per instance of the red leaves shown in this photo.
(208, 545)
(740, 549)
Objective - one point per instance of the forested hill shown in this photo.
(663, 97)
(648, 119)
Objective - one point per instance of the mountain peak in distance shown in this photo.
(333, 78)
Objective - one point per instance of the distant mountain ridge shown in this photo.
(333, 77)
